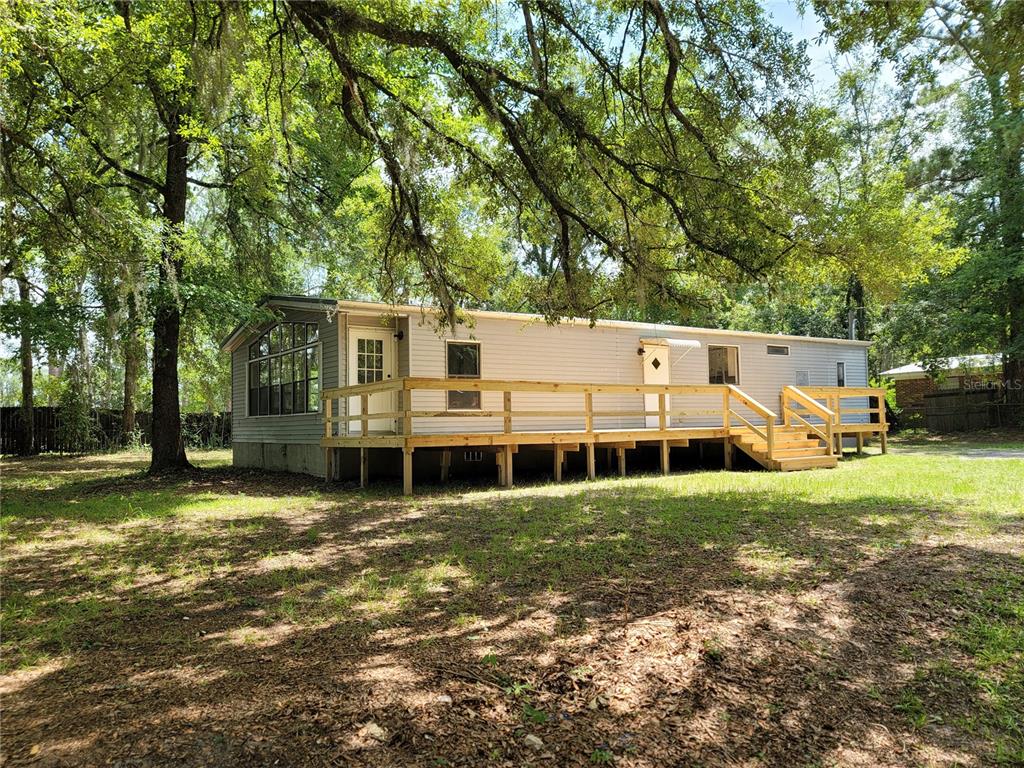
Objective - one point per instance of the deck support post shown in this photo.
(559, 461)
(860, 443)
(727, 443)
(407, 471)
(507, 464)
(621, 453)
(364, 467)
(591, 470)
(405, 409)
(885, 442)
(839, 444)
(664, 448)
(327, 466)
(446, 464)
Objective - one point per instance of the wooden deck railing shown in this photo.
(767, 433)
(798, 405)
(833, 398)
(732, 399)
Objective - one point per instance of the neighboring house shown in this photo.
(915, 380)
(505, 383)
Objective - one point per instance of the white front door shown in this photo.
(371, 357)
(657, 369)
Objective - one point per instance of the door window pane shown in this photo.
(369, 360)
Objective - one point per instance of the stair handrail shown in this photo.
(827, 415)
(770, 417)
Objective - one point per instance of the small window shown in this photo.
(723, 365)
(463, 363)
(779, 350)
(840, 374)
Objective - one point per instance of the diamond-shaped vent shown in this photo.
(656, 363)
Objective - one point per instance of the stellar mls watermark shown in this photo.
(1006, 384)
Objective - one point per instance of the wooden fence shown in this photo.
(970, 409)
(200, 429)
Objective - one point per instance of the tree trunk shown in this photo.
(1009, 147)
(168, 447)
(133, 350)
(1013, 362)
(856, 314)
(1011, 204)
(26, 435)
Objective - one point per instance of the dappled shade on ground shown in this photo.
(872, 615)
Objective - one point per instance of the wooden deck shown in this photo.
(808, 435)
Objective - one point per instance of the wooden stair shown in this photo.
(795, 448)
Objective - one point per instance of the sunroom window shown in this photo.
(284, 371)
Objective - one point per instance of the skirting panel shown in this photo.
(306, 459)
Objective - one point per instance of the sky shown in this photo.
(805, 26)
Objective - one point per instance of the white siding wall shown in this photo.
(534, 351)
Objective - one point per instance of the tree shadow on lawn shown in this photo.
(33, 501)
(636, 621)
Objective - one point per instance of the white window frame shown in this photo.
(480, 374)
(739, 365)
(768, 347)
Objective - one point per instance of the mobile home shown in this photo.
(344, 389)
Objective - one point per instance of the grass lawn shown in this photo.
(868, 615)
